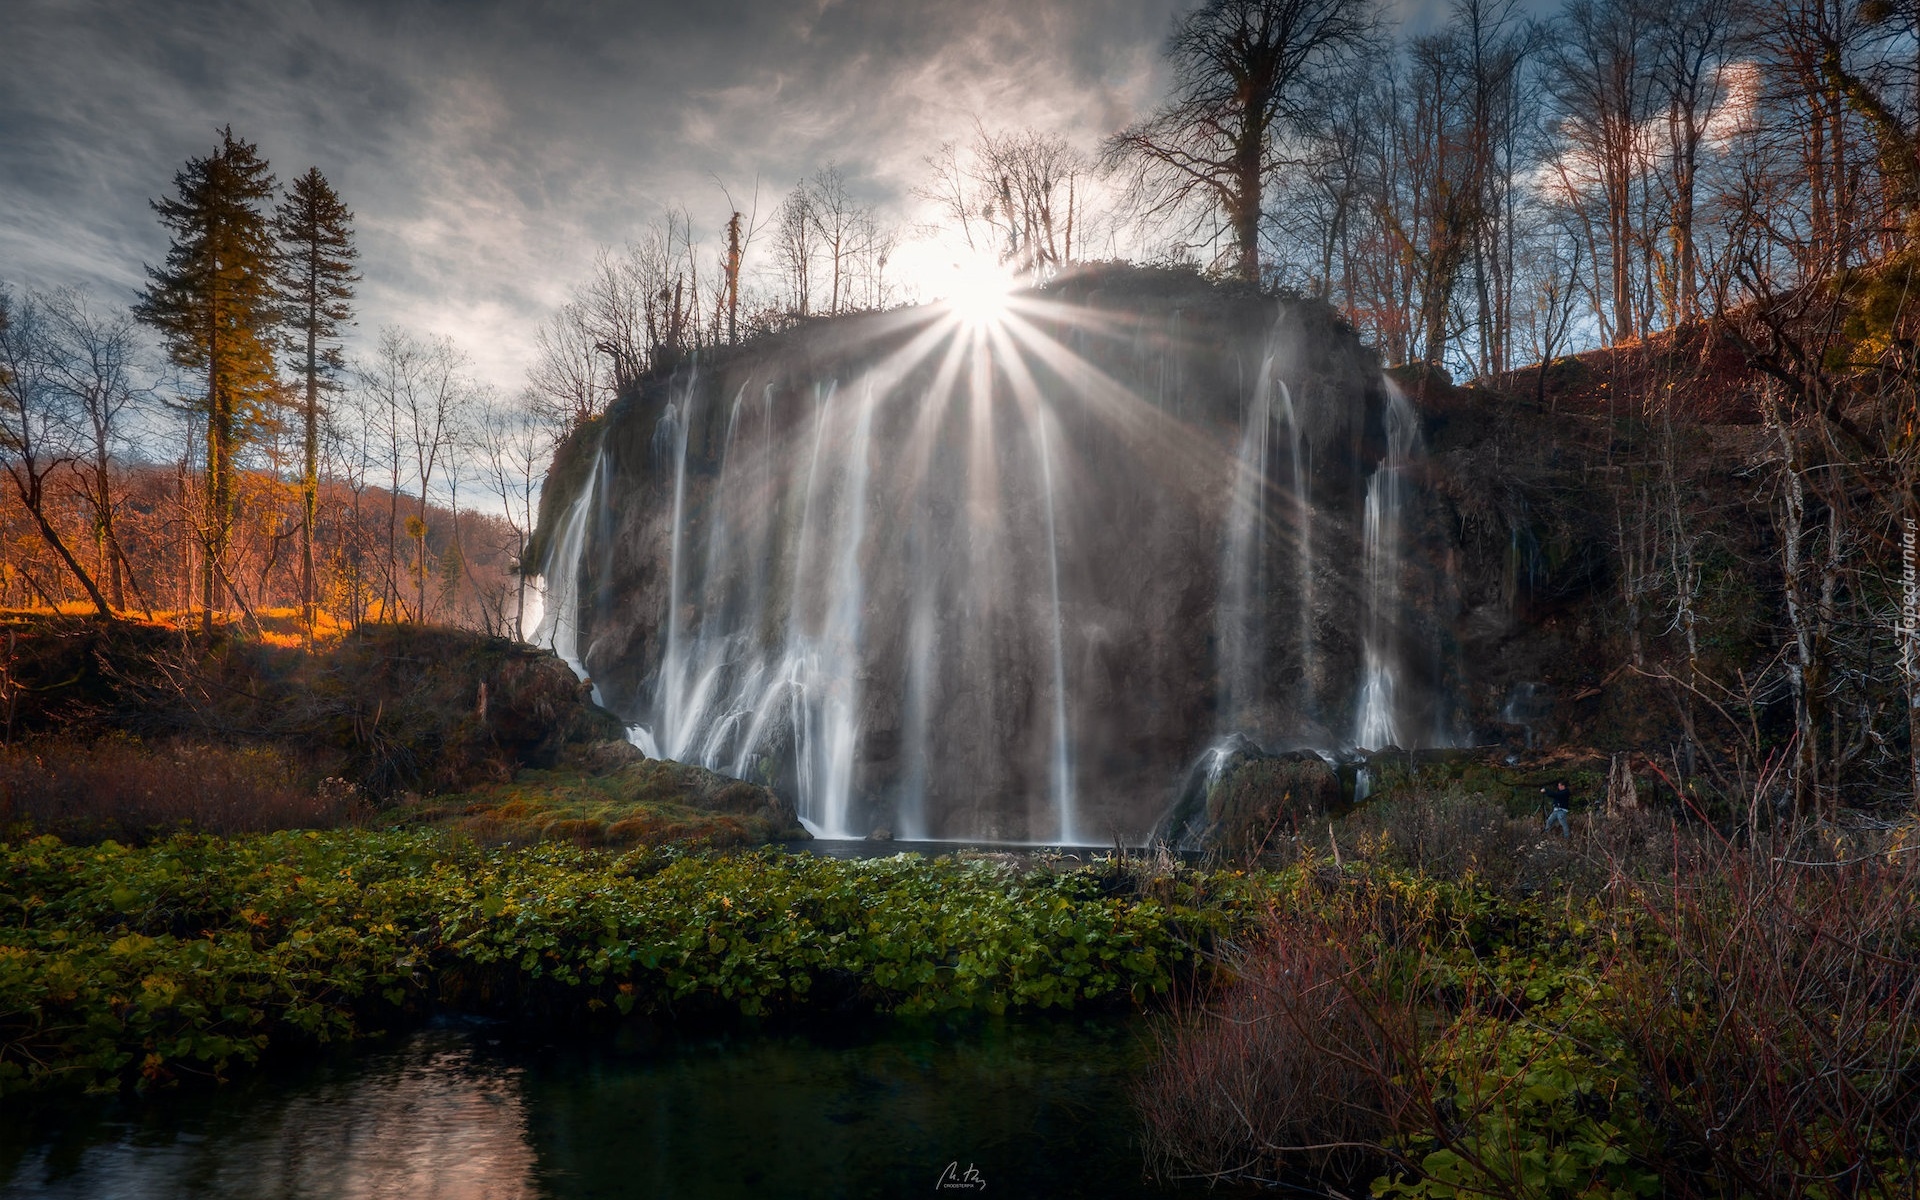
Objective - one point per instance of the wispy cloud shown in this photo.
(489, 148)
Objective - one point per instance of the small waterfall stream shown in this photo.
(559, 626)
(1379, 722)
(1303, 541)
(1241, 615)
(1062, 772)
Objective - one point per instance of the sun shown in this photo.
(979, 292)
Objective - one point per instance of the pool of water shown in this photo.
(1025, 1107)
(856, 848)
(860, 848)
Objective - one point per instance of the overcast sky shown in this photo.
(487, 149)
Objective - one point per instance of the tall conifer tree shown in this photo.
(316, 253)
(213, 305)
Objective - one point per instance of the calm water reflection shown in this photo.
(1037, 1108)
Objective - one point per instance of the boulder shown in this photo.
(659, 781)
(1238, 797)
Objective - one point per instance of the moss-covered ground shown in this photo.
(648, 803)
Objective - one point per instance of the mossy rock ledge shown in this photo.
(663, 781)
(1237, 798)
(606, 793)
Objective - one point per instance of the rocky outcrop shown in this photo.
(1013, 587)
(829, 564)
(1237, 798)
(639, 781)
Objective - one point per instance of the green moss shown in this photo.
(647, 803)
(123, 967)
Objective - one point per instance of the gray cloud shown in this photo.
(487, 149)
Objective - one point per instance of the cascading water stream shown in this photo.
(1303, 542)
(1062, 766)
(1241, 615)
(1379, 723)
(722, 686)
(912, 808)
(836, 675)
(675, 422)
(559, 626)
(774, 686)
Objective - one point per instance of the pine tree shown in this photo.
(316, 278)
(213, 306)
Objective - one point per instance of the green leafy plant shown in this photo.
(122, 965)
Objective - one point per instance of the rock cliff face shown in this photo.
(1011, 578)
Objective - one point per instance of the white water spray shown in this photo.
(559, 626)
(1062, 766)
(1241, 614)
(1379, 722)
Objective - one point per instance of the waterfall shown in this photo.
(724, 686)
(1379, 722)
(1241, 616)
(911, 811)
(675, 421)
(835, 678)
(772, 680)
(559, 626)
(980, 581)
(1062, 766)
(1303, 544)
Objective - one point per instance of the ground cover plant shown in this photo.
(139, 967)
(1647, 1008)
(1430, 997)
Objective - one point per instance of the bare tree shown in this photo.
(352, 444)
(610, 312)
(571, 379)
(37, 434)
(513, 445)
(1499, 46)
(1689, 57)
(435, 389)
(1241, 70)
(1017, 194)
(1444, 161)
(835, 217)
(739, 233)
(876, 244)
(949, 185)
(1550, 270)
(795, 243)
(89, 359)
(1600, 76)
(386, 379)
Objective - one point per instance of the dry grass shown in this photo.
(1775, 1020)
(123, 788)
(1283, 1074)
(1739, 1017)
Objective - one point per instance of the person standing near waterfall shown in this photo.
(1557, 798)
